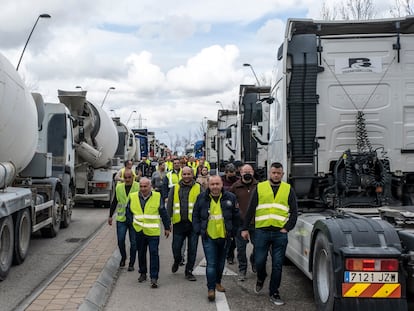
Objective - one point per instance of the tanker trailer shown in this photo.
(96, 141)
(127, 146)
(30, 198)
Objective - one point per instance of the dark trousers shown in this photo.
(215, 251)
(121, 230)
(143, 243)
(277, 242)
(241, 249)
(177, 244)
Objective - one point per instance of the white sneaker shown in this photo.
(275, 298)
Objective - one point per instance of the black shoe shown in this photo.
(142, 277)
(189, 276)
(154, 283)
(259, 286)
(131, 267)
(122, 263)
(182, 263)
(174, 267)
(253, 268)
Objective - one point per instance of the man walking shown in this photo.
(274, 206)
(147, 208)
(124, 217)
(216, 219)
(180, 205)
(242, 189)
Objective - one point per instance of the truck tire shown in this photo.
(323, 274)
(67, 214)
(6, 246)
(52, 230)
(22, 235)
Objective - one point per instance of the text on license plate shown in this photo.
(370, 277)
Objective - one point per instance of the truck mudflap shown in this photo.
(363, 240)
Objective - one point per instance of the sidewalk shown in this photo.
(86, 282)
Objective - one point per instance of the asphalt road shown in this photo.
(47, 255)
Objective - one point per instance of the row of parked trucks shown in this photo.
(52, 156)
(339, 116)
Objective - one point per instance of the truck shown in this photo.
(253, 127)
(198, 149)
(36, 168)
(95, 141)
(141, 135)
(127, 145)
(211, 144)
(341, 123)
(226, 138)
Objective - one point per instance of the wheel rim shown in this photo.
(5, 235)
(24, 234)
(323, 275)
(57, 211)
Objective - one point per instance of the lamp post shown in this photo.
(251, 67)
(169, 138)
(27, 41)
(79, 87)
(220, 103)
(134, 111)
(106, 94)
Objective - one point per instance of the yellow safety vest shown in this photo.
(215, 225)
(169, 165)
(149, 219)
(272, 210)
(192, 197)
(173, 178)
(194, 166)
(123, 199)
(207, 164)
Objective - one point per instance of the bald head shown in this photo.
(215, 184)
(145, 186)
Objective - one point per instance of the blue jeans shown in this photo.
(121, 230)
(151, 242)
(215, 251)
(241, 249)
(177, 244)
(277, 242)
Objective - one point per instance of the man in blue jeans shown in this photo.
(216, 219)
(124, 217)
(180, 204)
(274, 206)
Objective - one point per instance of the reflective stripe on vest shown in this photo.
(173, 178)
(215, 225)
(192, 197)
(272, 210)
(123, 199)
(149, 220)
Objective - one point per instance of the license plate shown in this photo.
(370, 277)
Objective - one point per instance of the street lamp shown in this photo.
(27, 41)
(169, 138)
(79, 87)
(106, 94)
(251, 67)
(134, 111)
(220, 103)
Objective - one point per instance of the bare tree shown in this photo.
(349, 9)
(402, 8)
(328, 13)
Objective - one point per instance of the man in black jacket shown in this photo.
(216, 219)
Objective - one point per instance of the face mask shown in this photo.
(247, 177)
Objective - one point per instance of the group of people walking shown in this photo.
(225, 211)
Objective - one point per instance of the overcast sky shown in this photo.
(169, 60)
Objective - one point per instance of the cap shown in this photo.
(230, 168)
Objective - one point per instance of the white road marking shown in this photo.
(221, 301)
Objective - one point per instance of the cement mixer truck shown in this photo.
(95, 141)
(36, 167)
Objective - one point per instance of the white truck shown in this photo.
(226, 138)
(211, 144)
(342, 124)
(36, 168)
(127, 145)
(95, 141)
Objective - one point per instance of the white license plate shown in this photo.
(370, 277)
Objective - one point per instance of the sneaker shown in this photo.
(242, 276)
(174, 267)
(259, 286)
(154, 283)
(142, 277)
(211, 295)
(122, 263)
(131, 267)
(220, 288)
(275, 298)
(189, 276)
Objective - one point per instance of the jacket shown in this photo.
(229, 209)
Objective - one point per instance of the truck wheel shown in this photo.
(6, 246)
(67, 214)
(323, 274)
(52, 230)
(22, 234)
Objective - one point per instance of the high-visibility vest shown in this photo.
(173, 178)
(123, 199)
(192, 197)
(149, 219)
(215, 225)
(272, 210)
(169, 165)
(207, 164)
(194, 166)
